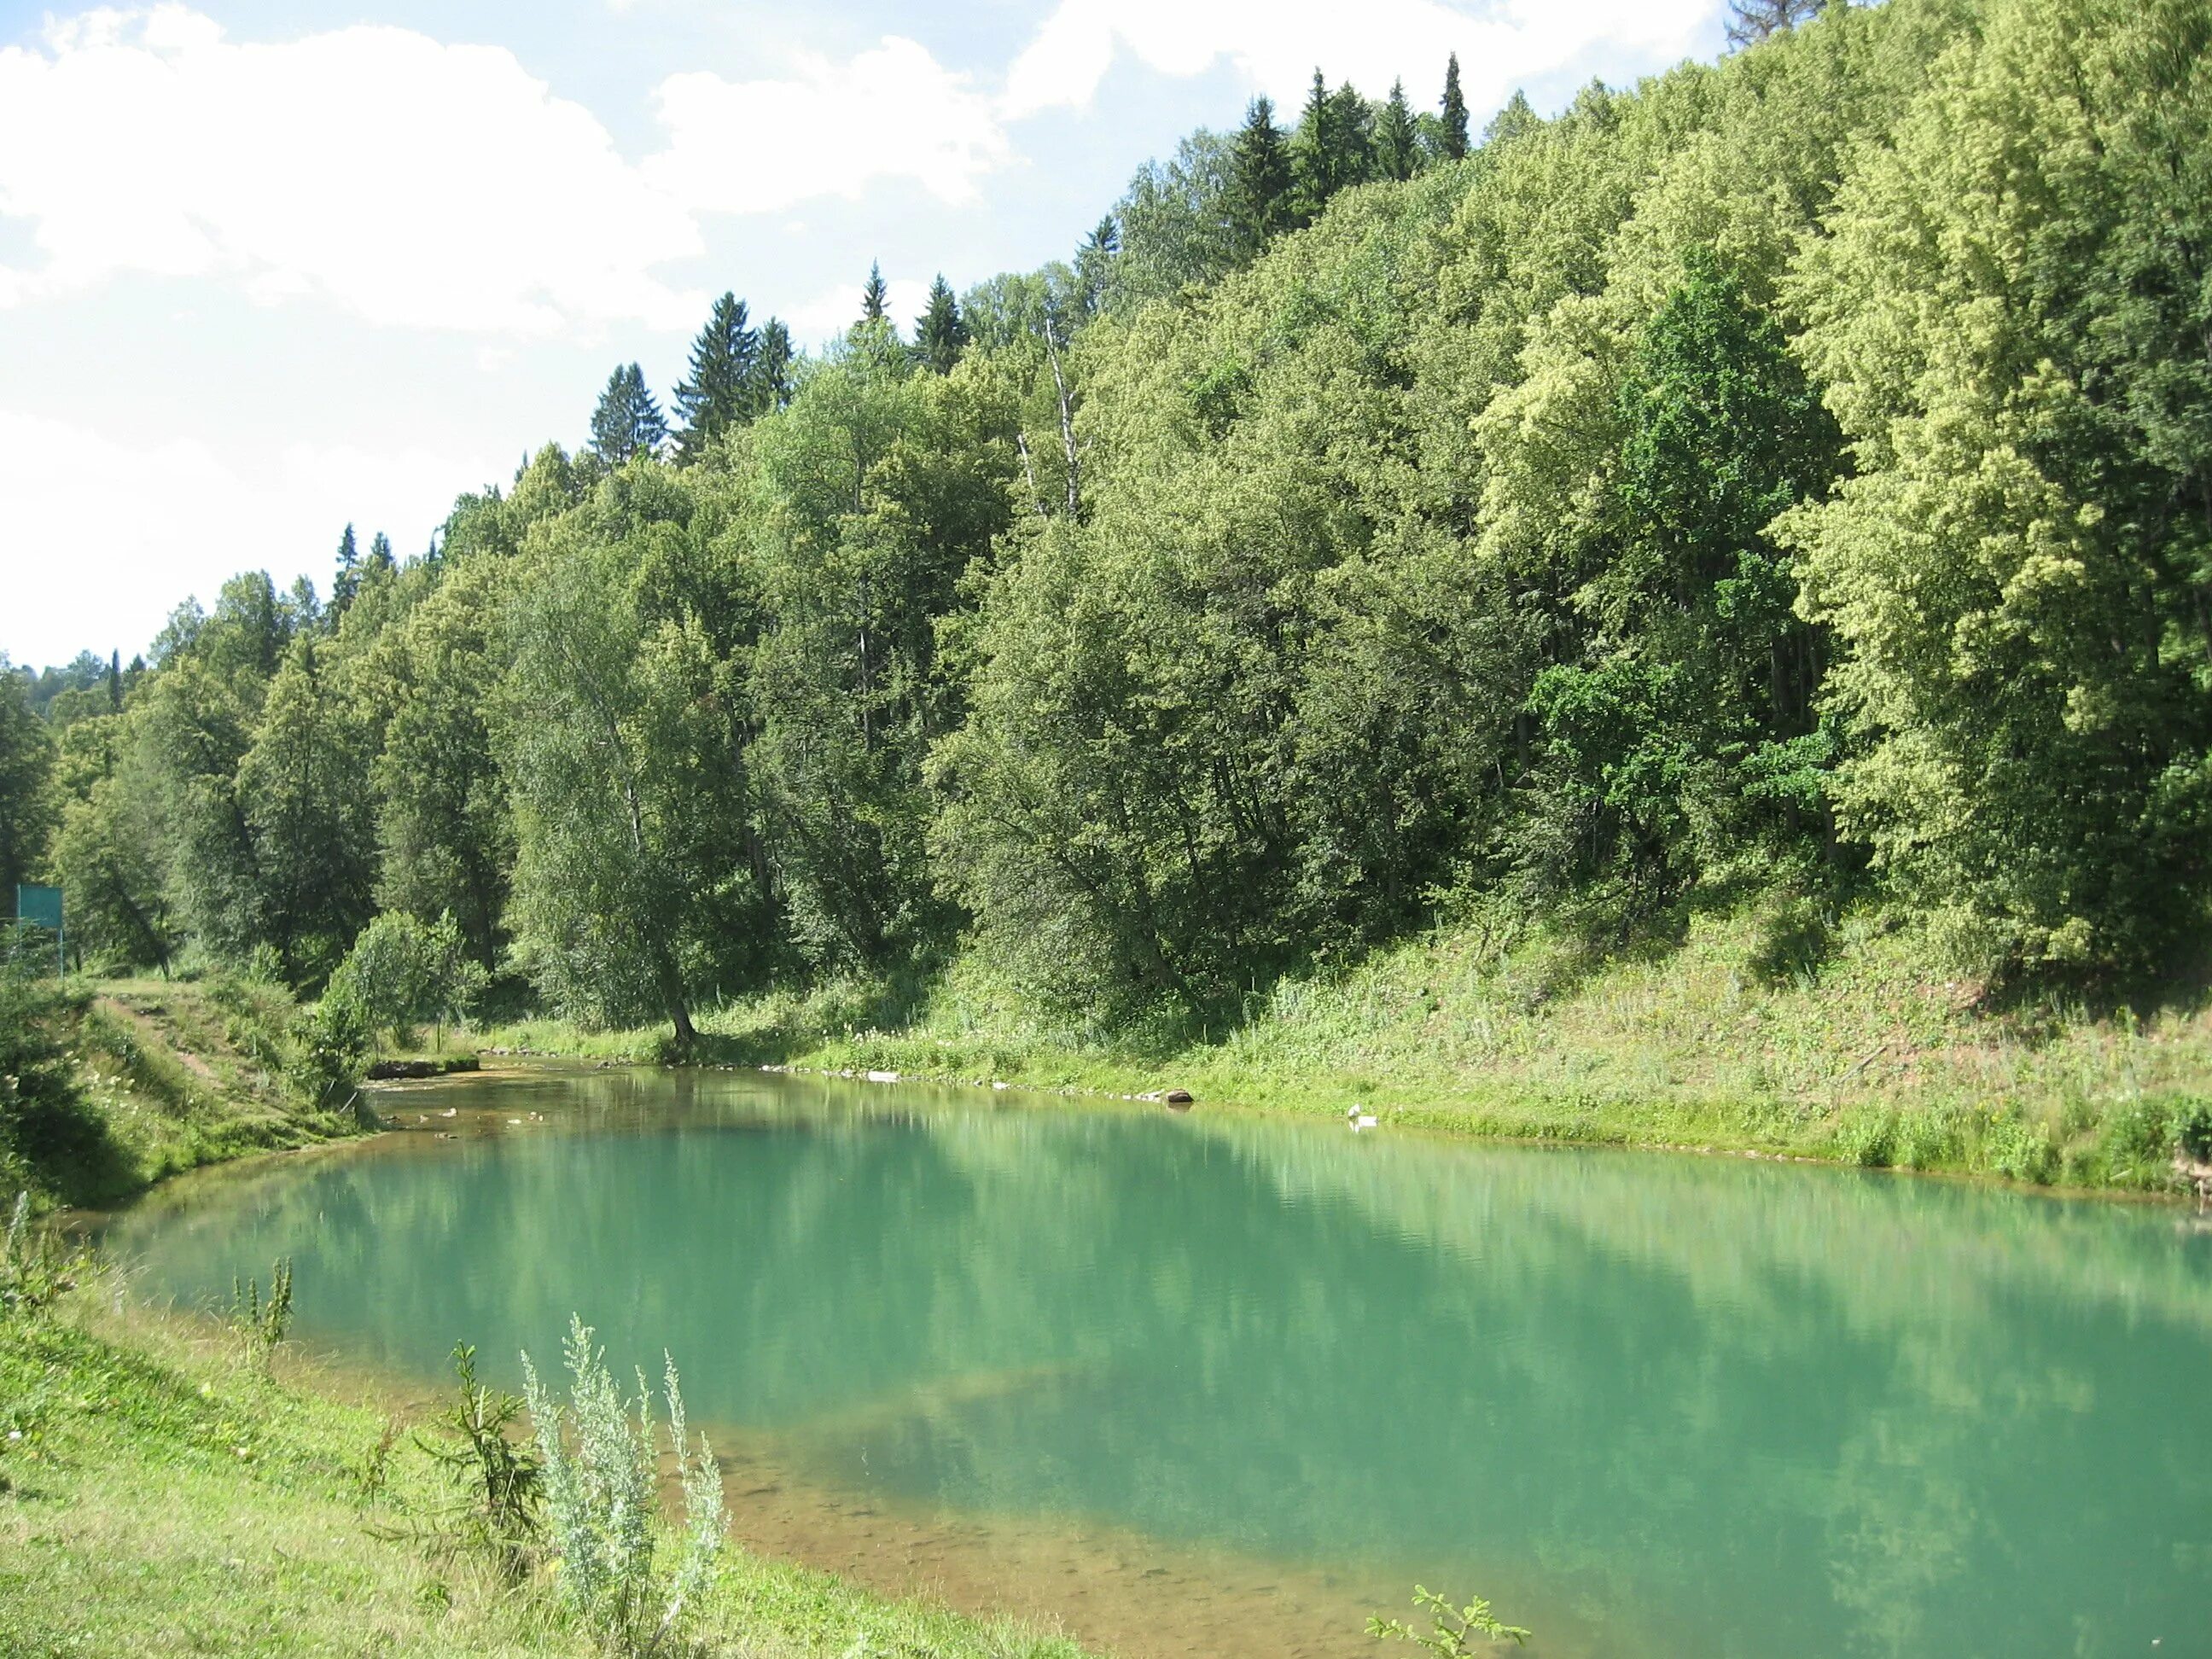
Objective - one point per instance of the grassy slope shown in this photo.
(164, 1497)
(1766, 1025)
(180, 1073)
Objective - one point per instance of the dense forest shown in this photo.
(1796, 468)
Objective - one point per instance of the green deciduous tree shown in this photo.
(444, 834)
(303, 795)
(27, 806)
(2010, 309)
(633, 893)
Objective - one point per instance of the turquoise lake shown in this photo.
(1209, 1382)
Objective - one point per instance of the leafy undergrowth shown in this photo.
(159, 1493)
(179, 1074)
(1770, 1024)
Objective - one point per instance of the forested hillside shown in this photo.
(1794, 471)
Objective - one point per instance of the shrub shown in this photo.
(35, 1269)
(2018, 1149)
(1455, 1628)
(600, 1477)
(1869, 1138)
(335, 1039)
(47, 1131)
(406, 975)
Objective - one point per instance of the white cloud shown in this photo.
(164, 520)
(833, 129)
(417, 183)
(411, 181)
(1276, 43)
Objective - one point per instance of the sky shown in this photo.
(272, 267)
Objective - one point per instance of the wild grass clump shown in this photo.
(262, 1322)
(600, 1475)
(34, 1267)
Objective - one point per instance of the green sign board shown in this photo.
(40, 908)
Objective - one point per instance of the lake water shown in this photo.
(1213, 1384)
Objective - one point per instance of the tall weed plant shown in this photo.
(600, 1479)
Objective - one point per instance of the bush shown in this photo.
(600, 1477)
(335, 1040)
(1456, 1630)
(1869, 1138)
(34, 1268)
(405, 975)
(2018, 1149)
(48, 1134)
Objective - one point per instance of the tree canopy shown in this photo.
(1798, 464)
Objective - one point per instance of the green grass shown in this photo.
(180, 1073)
(158, 1494)
(1768, 1025)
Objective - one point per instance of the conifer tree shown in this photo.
(1259, 182)
(1510, 123)
(875, 299)
(941, 334)
(768, 387)
(1094, 263)
(347, 582)
(1750, 22)
(1452, 132)
(628, 420)
(1312, 153)
(1397, 143)
(1354, 156)
(380, 552)
(715, 396)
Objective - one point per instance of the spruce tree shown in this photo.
(1094, 264)
(714, 397)
(1510, 123)
(768, 387)
(1452, 133)
(380, 552)
(347, 582)
(941, 334)
(875, 299)
(1397, 144)
(1354, 156)
(627, 420)
(1750, 22)
(1313, 155)
(1259, 182)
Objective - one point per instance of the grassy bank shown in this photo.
(119, 1083)
(160, 1493)
(1772, 1025)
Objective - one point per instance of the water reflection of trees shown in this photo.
(1769, 1410)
